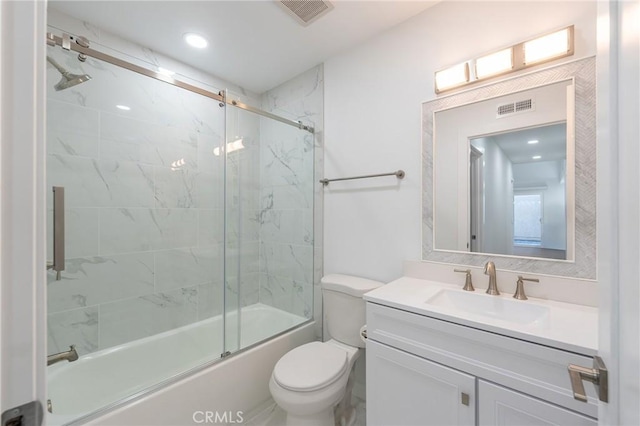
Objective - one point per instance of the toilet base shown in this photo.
(345, 413)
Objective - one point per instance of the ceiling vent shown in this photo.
(306, 11)
(515, 108)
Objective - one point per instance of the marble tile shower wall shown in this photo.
(144, 201)
(243, 190)
(290, 212)
(144, 235)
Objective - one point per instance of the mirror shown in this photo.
(527, 215)
(501, 175)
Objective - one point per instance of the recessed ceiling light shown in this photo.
(123, 107)
(536, 157)
(533, 142)
(195, 40)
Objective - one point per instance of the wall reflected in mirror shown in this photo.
(503, 175)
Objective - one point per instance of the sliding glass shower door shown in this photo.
(180, 230)
(269, 226)
(144, 214)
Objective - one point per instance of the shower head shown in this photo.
(68, 79)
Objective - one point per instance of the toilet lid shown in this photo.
(310, 367)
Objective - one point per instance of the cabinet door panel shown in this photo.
(406, 390)
(506, 407)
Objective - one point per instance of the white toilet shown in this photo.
(313, 382)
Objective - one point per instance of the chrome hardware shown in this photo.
(490, 269)
(29, 414)
(468, 285)
(598, 375)
(399, 174)
(58, 232)
(70, 355)
(49, 406)
(225, 354)
(363, 333)
(464, 398)
(519, 294)
(66, 42)
(82, 41)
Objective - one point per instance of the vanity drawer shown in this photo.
(534, 369)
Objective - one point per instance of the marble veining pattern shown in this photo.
(290, 198)
(145, 198)
(144, 206)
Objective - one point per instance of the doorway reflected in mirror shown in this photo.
(518, 192)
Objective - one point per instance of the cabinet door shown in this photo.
(403, 390)
(503, 406)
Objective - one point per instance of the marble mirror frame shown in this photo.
(584, 264)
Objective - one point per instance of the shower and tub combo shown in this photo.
(182, 247)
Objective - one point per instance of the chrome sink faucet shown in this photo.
(70, 355)
(490, 269)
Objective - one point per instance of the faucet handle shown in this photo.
(468, 285)
(519, 294)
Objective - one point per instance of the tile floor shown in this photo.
(272, 415)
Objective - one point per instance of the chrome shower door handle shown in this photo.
(598, 375)
(58, 232)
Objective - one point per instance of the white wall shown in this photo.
(373, 97)
(498, 198)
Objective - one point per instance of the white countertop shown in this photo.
(569, 327)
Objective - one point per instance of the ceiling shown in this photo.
(551, 146)
(254, 44)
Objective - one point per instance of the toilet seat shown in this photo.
(311, 367)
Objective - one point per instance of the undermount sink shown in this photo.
(495, 307)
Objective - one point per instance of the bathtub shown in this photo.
(115, 379)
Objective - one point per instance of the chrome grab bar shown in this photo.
(399, 174)
(58, 232)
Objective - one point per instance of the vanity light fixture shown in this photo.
(195, 40)
(536, 157)
(495, 63)
(551, 46)
(452, 77)
(533, 142)
(548, 47)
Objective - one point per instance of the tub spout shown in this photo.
(70, 355)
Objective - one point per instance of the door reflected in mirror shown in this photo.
(519, 178)
(504, 175)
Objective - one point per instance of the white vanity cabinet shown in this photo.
(501, 406)
(403, 389)
(428, 371)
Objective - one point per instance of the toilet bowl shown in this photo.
(312, 383)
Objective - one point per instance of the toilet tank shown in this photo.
(344, 307)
